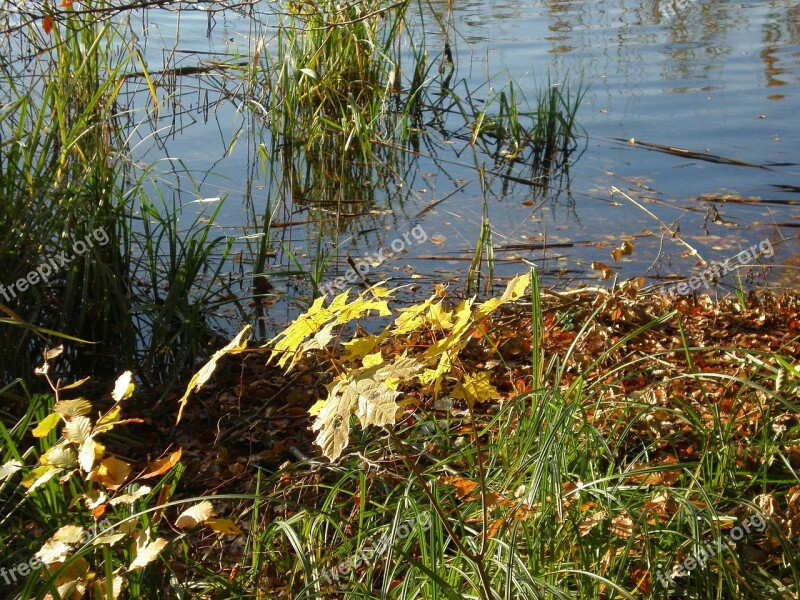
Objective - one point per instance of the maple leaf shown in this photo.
(476, 388)
(411, 318)
(447, 348)
(369, 393)
(360, 347)
(290, 342)
(514, 290)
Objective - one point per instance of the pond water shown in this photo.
(689, 125)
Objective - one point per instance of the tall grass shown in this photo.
(60, 182)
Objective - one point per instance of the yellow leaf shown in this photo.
(9, 468)
(373, 360)
(286, 343)
(87, 455)
(193, 516)
(108, 420)
(440, 317)
(225, 526)
(124, 387)
(39, 476)
(148, 553)
(448, 348)
(46, 425)
(200, 378)
(365, 393)
(411, 318)
(317, 407)
(361, 346)
(361, 306)
(476, 388)
(74, 384)
(73, 408)
(111, 473)
(78, 430)
(514, 290)
(162, 465)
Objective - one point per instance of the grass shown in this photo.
(587, 480)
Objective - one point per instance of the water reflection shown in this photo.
(707, 75)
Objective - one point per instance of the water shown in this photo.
(716, 78)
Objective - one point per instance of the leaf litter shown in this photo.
(252, 415)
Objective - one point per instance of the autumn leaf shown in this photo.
(369, 393)
(606, 271)
(131, 497)
(46, 425)
(194, 515)
(111, 473)
(624, 250)
(47, 24)
(224, 526)
(61, 456)
(162, 465)
(200, 378)
(124, 387)
(39, 476)
(87, 455)
(78, 430)
(66, 4)
(463, 486)
(289, 343)
(73, 408)
(476, 388)
(148, 553)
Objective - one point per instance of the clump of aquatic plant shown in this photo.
(62, 205)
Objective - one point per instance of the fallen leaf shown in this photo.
(225, 526)
(162, 465)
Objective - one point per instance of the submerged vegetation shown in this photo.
(341, 98)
